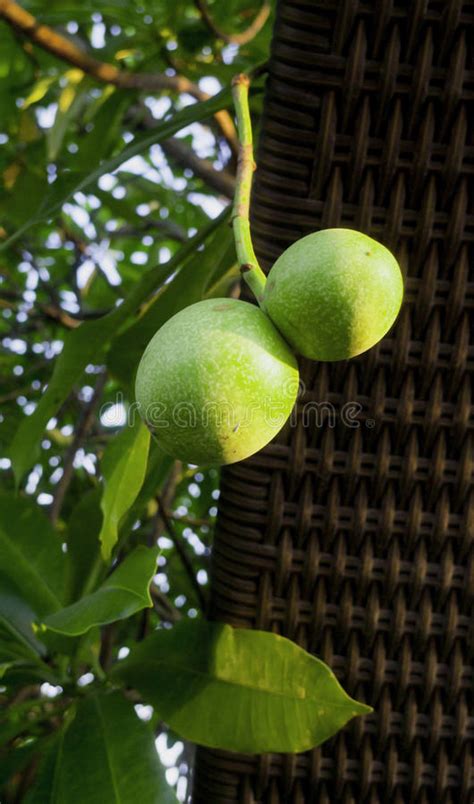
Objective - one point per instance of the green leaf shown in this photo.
(237, 689)
(27, 193)
(30, 553)
(25, 716)
(16, 621)
(106, 755)
(124, 468)
(82, 539)
(39, 90)
(124, 593)
(106, 127)
(42, 790)
(4, 666)
(86, 345)
(70, 104)
(16, 759)
(69, 184)
(158, 469)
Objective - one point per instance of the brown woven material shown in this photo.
(355, 541)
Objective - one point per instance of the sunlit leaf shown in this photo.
(39, 90)
(238, 689)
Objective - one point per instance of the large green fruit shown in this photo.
(216, 382)
(334, 294)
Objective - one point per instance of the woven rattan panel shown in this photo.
(355, 541)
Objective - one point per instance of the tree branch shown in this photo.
(107, 637)
(66, 50)
(178, 152)
(193, 522)
(163, 606)
(220, 180)
(8, 397)
(234, 39)
(48, 310)
(83, 427)
(183, 556)
(54, 311)
(170, 230)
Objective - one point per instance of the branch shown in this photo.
(249, 266)
(171, 230)
(106, 645)
(219, 180)
(56, 314)
(163, 606)
(193, 522)
(83, 427)
(10, 395)
(54, 311)
(70, 320)
(183, 556)
(235, 39)
(48, 310)
(66, 50)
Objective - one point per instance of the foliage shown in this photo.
(270, 695)
(114, 207)
(120, 765)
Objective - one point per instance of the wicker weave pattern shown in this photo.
(356, 541)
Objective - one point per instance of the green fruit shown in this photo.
(216, 382)
(334, 294)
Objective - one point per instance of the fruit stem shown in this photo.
(249, 267)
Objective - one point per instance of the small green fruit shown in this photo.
(334, 294)
(216, 382)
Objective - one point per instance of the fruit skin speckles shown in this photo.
(217, 382)
(334, 294)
